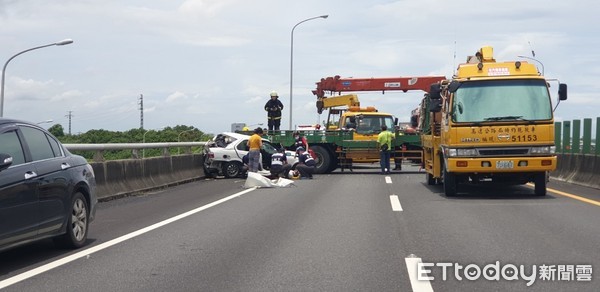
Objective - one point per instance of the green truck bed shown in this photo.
(339, 138)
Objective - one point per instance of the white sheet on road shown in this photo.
(257, 180)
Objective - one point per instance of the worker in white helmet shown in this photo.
(273, 108)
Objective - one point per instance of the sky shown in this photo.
(211, 63)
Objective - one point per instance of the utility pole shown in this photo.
(70, 115)
(141, 103)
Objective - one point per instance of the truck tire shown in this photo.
(430, 180)
(333, 165)
(323, 159)
(539, 180)
(449, 184)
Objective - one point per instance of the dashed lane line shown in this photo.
(395, 203)
(417, 285)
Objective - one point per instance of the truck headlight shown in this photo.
(455, 152)
(543, 150)
(451, 152)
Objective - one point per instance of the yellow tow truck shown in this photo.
(491, 123)
(345, 113)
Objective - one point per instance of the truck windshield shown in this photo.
(501, 100)
(372, 124)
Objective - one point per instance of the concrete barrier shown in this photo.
(578, 169)
(117, 178)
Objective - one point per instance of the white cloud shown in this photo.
(256, 99)
(176, 96)
(209, 63)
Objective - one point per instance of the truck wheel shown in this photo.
(333, 165)
(540, 184)
(323, 159)
(449, 184)
(232, 169)
(430, 180)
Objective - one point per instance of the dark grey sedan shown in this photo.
(45, 191)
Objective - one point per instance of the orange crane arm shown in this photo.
(337, 84)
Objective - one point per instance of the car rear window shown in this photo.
(55, 147)
(38, 143)
(11, 145)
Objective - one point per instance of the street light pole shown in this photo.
(292, 61)
(61, 43)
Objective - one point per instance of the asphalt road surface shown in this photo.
(358, 231)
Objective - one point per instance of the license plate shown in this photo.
(504, 164)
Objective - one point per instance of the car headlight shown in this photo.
(457, 152)
(543, 150)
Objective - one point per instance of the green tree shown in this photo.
(135, 135)
(57, 130)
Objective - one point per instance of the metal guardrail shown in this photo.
(135, 148)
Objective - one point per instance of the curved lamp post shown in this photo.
(292, 60)
(44, 122)
(61, 43)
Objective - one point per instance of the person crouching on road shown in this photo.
(300, 141)
(255, 144)
(306, 165)
(279, 164)
(384, 140)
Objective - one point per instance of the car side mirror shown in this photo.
(5, 161)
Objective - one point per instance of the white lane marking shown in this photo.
(49, 266)
(395, 203)
(412, 266)
(388, 180)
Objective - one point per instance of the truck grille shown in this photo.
(503, 152)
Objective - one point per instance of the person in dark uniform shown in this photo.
(300, 141)
(273, 108)
(306, 165)
(279, 164)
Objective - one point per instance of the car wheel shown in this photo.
(77, 223)
(207, 172)
(232, 169)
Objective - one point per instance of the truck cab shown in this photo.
(493, 122)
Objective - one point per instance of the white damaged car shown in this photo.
(223, 155)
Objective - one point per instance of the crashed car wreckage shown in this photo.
(223, 155)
